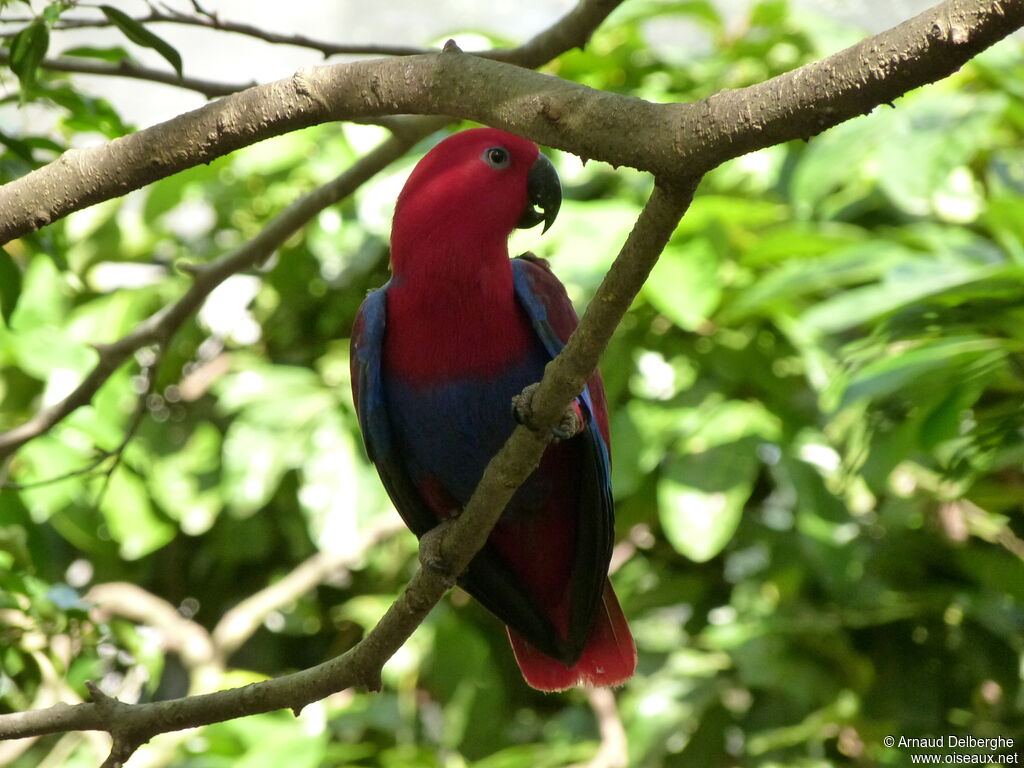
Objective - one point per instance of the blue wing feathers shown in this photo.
(371, 408)
(537, 289)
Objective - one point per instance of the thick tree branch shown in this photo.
(667, 140)
(132, 725)
(208, 88)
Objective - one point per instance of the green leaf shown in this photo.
(87, 113)
(180, 481)
(769, 13)
(795, 279)
(130, 517)
(53, 11)
(833, 171)
(43, 300)
(114, 55)
(701, 497)
(930, 137)
(10, 285)
(139, 35)
(1004, 218)
(255, 459)
(702, 10)
(24, 147)
(914, 281)
(684, 285)
(944, 358)
(28, 49)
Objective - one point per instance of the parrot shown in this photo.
(438, 355)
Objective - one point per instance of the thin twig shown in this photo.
(208, 88)
(614, 749)
(239, 623)
(138, 412)
(213, 21)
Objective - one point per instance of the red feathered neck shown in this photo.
(452, 311)
(455, 328)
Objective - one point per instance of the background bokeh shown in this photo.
(817, 422)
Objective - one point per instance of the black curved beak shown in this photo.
(543, 191)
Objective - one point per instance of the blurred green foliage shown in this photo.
(817, 415)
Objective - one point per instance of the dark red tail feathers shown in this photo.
(608, 659)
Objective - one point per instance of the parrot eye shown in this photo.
(496, 157)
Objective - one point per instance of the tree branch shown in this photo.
(132, 725)
(208, 88)
(594, 124)
(614, 749)
(214, 22)
(239, 623)
(667, 139)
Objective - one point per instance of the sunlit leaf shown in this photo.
(928, 138)
(916, 281)
(129, 515)
(701, 497)
(684, 285)
(898, 370)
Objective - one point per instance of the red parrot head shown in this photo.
(470, 191)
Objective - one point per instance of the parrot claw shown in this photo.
(522, 411)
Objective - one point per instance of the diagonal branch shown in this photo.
(239, 623)
(669, 140)
(163, 324)
(132, 725)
